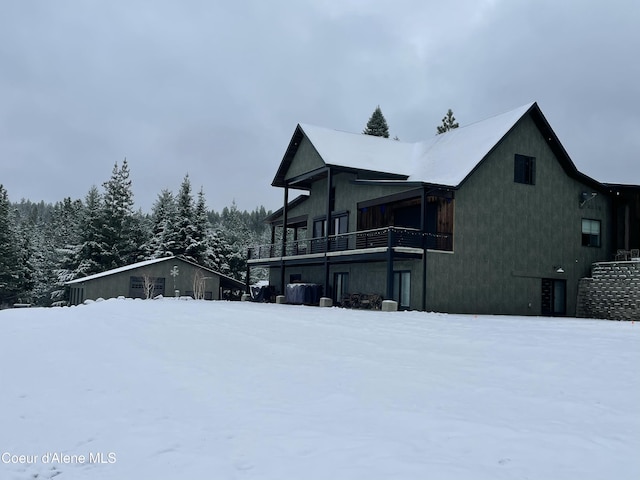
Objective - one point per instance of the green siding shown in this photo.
(368, 278)
(347, 197)
(305, 160)
(508, 236)
(117, 284)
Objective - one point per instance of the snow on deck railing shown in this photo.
(363, 239)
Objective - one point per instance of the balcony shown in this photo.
(368, 241)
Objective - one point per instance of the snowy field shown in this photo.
(171, 389)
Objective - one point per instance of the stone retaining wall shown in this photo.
(612, 292)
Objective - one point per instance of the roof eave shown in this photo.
(561, 154)
(294, 143)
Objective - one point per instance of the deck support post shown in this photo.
(248, 279)
(423, 208)
(424, 274)
(326, 235)
(285, 219)
(390, 240)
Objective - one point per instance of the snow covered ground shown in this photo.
(172, 389)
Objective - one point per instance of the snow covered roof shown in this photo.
(445, 159)
(119, 269)
(355, 150)
(145, 263)
(448, 158)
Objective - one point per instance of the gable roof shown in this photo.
(449, 158)
(359, 151)
(118, 270)
(446, 159)
(346, 150)
(145, 263)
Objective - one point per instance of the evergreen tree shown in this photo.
(139, 235)
(9, 253)
(26, 269)
(93, 248)
(34, 272)
(64, 230)
(200, 249)
(162, 242)
(448, 122)
(185, 227)
(377, 125)
(40, 251)
(118, 219)
(236, 234)
(219, 253)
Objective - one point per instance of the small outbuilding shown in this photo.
(168, 276)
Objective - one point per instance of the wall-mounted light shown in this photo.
(558, 269)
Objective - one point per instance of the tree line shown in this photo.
(44, 245)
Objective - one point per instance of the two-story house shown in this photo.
(493, 218)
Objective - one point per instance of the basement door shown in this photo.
(554, 297)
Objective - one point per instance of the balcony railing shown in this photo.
(362, 240)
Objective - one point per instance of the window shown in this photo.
(402, 288)
(524, 170)
(319, 228)
(318, 243)
(340, 224)
(590, 232)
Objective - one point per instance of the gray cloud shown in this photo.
(215, 89)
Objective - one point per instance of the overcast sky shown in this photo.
(215, 88)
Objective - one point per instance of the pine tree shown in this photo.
(26, 269)
(162, 242)
(41, 256)
(377, 125)
(185, 227)
(9, 253)
(118, 218)
(200, 249)
(448, 122)
(219, 253)
(235, 233)
(93, 248)
(139, 235)
(64, 229)
(33, 273)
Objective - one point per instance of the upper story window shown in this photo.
(524, 170)
(319, 228)
(590, 232)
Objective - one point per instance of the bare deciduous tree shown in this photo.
(199, 284)
(148, 284)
